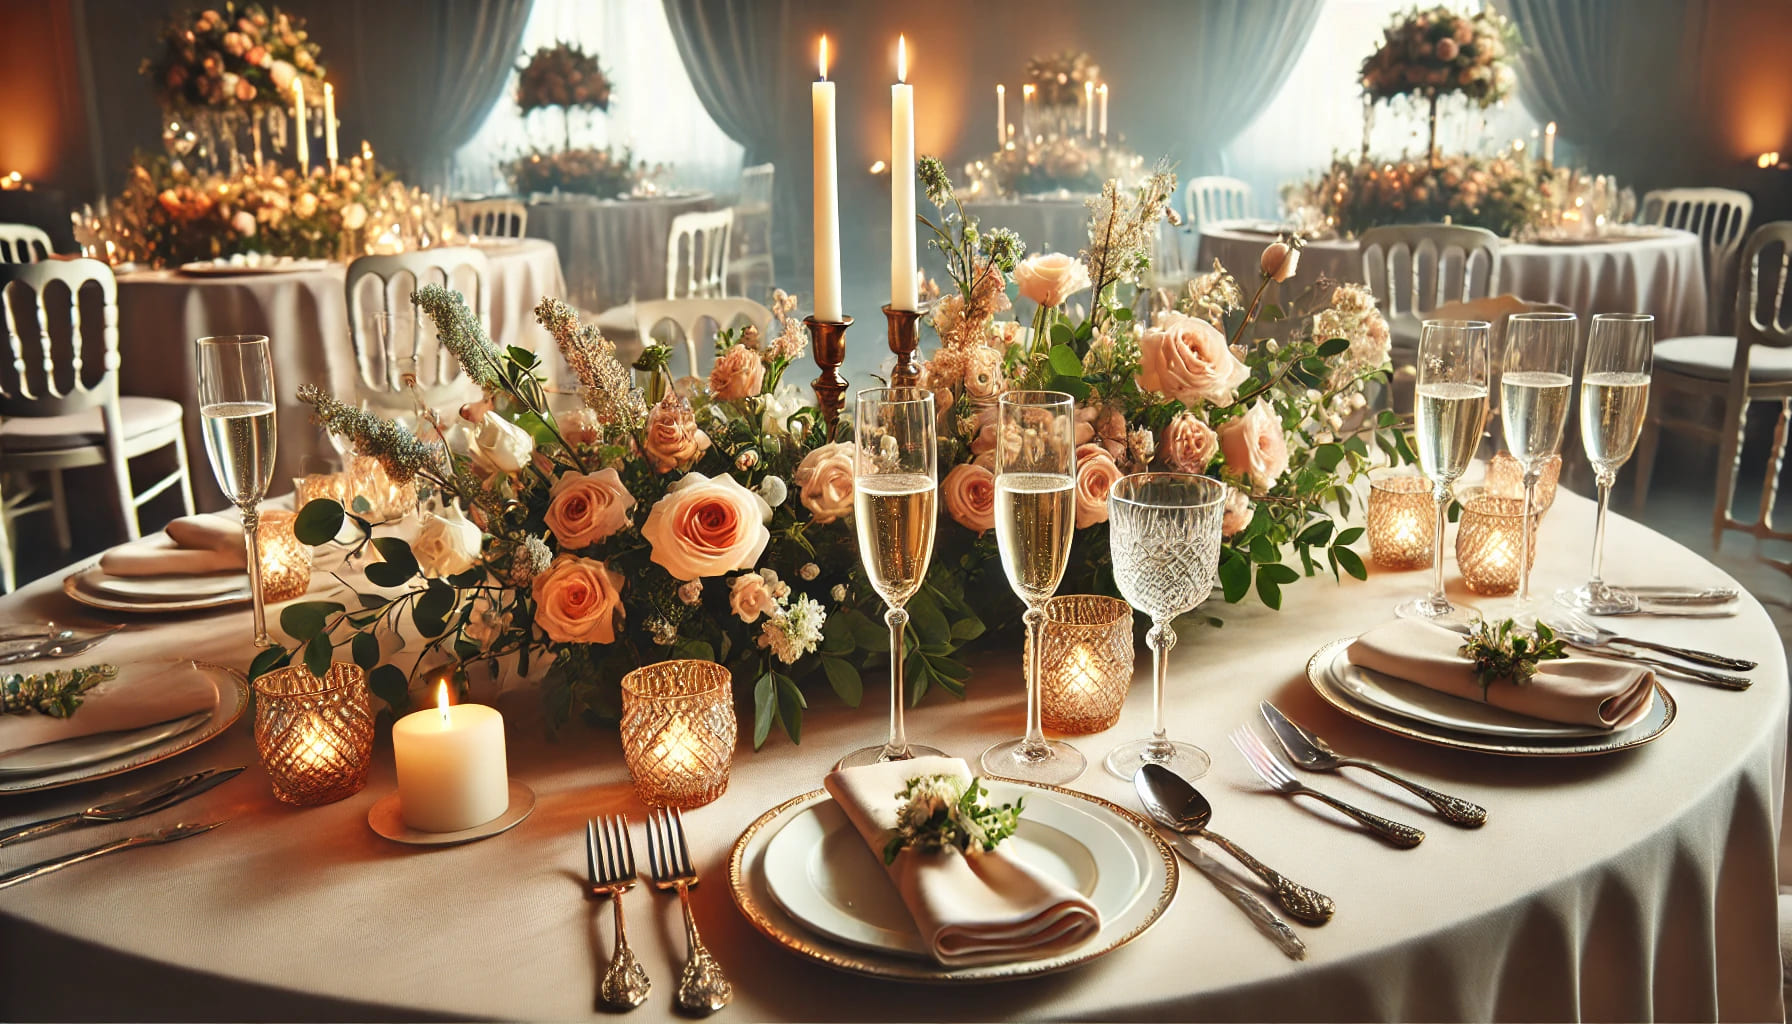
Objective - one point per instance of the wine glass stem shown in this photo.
(1525, 539)
(1034, 743)
(897, 747)
(1438, 600)
(1160, 638)
(252, 540)
(1596, 584)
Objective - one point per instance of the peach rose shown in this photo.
(1096, 473)
(1188, 444)
(577, 601)
(751, 596)
(824, 481)
(1447, 49)
(1049, 278)
(704, 527)
(586, 508)
(243, 223)
(983, 379)
(1237, 512)
(673, 440)
(739, 373)
(1186, 358)
(1279, 261)
(1255, 447)
(970, 495)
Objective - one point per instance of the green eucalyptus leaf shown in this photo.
(397, 553)
(1315, 533)
(1268, 590)
(366, 650)
(362, 506)
(1351, 562)
(1350, 536)
(1327, 456)
(790, 707)
(1333, 346)
(268, 660)
(318, 655)
(848, 685)
(318, 522)
(1064, 361)
(389, 683)
(305, 619)
(1235, 577)
(765, 709)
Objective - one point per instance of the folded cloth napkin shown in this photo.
(970, 908)
(193, 545)
(132, 700)
(1577, 691)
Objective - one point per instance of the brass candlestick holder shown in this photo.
(830, 351)
(904, 339)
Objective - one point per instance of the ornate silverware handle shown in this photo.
(1302, 903)
(1245, 900)
(702, 989)
(1694, 655)
(1454, 809)
(625, 984)
(31, 830)
(1404, 836)
(1703, 675)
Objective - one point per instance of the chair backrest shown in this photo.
(23, 243)
(756, 187)
(1763, 317)
(1215, 198)
(689, 314)
(49, 343)
(1414, 268)
(379, 366)
(697, 254)
(1718, 216)
(492, 218)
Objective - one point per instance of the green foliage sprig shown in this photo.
(1503, 652)
(942, 812)
(58, 693)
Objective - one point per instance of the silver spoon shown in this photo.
(1180, 807)
(1585, 631)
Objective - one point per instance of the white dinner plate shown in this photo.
(821, 872)
(54, 757)
(84, 586)
(1422, 704)
(169, 588)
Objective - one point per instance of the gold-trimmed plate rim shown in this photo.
(71, 586)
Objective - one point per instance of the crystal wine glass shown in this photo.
(236, 407)
(1536, 379)
(1451, 409)
(1614, 393)
(1035, 513)
(895, 504)
(1164, 537)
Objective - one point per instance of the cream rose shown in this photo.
(446, 543)
(970, 496)
(1255, 447)
(578, 600)
(499, 446)
(354, 215)
(586, 508)
(1188, 444)
(750, 596)
(983, 379)
(824, 481)
(673, 440)
(1279, 261)
(1096, 473)
(704, 527)
(739, 373)
(1051, 277)
(305, 205)
(1186, 358)
(579, 426)
(243, 223)
(1237, 513)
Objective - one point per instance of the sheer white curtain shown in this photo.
(653, 109)
(1319, 110)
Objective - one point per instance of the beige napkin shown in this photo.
(132, 700)
(193, 545)
(1578, 691)
(970, 908)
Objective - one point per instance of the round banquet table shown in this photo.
(1631, 886)
(305, 316)
(1662, 274)
(1049, 223)
(612, 250)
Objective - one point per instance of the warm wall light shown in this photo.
(879, 167)
(1769, 159)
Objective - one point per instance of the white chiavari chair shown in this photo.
(1719, 216)
(1215, 198)
(752, 259)
(24, 243)
(697, 255)
(1414, 268)
(383, 284)
(688, 316)
(492, 218)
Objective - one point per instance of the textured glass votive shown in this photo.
(285, 560)
(387, 500)
(1488, 544)
(1402, 519)
(315, 736)
(1505, 479)
(1087, 662)
(337, 487)
(678, 732)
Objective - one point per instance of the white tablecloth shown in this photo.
(305, 316)
(1663, 275)
(1624, 887)
(612, 250)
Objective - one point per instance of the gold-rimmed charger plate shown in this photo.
(1661, 715)
(747, 880)
(79, 586)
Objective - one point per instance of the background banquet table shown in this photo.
(1629, 886)
(305, 316)
(1663, 275)
(1045, 223)
(612, 250)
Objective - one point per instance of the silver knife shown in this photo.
(172, 833)
(1243, 898)
(132, 805)
(1314, 754)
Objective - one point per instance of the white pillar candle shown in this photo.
(1001, 115)
(904, 290)
(452, 773)
(827, 197)
(330, 124)
(1549, 145)
(1026, 113)
(1104, 110)
(298, 113)
(1088, 109)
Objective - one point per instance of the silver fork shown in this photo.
(702, 989)
(610, 862)
(1278, 777)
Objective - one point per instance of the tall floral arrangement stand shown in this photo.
(1435, 52)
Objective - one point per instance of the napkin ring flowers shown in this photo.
(941, 812)
(1503, 651)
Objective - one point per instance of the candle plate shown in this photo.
(383, 818)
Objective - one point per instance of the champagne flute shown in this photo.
(1451, 410)
(1537, 376)
(1614, 392)
(1164, 537)
(895, 506)
(1035, 513)
(236, 407)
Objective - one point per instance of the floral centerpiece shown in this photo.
(240, 56)
(1057, 149)
(1057, 79)
(716, 524)
(598, 172)
(1436, 52)
(562, 75)
(1499, 193)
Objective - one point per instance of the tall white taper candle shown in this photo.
(904, 290)
(827, 197)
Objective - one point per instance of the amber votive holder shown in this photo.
(1402, 519)
(678, 732)
(285, 560)
(1505, 479)
(315, 736)
(1489, 545)
(386, 499)
(1086, 658)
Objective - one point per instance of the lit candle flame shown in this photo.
(902, 58)
(824, 58)
(442, 704)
